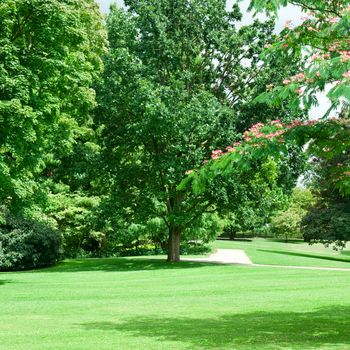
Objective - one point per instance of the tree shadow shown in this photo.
(258, 330)
(289, 241)
(306, 255)
(121, 265)
(3, 282)
(236, 239)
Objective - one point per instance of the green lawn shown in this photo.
(297, 253)
(144, 303)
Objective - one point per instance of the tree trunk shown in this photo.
(174, 245)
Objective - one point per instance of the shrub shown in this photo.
(73, 215)
(327, 224)
(287, 224)
(26, 244)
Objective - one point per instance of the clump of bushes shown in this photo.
(287, 224)
(146, 248)
(26, 244)
(328, 223)
(73, 215)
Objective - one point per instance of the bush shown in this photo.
(73, 215)
(146, 248)
(287, 224)
(26, 244)
(327, 224)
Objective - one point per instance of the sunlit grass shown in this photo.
(296, 253)
(143, 303)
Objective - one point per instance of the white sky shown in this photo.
(287, 13)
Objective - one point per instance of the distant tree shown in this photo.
(328, 223)
(287, 223)
(328, 220)
(323, 38)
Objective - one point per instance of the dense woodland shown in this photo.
(166, 124)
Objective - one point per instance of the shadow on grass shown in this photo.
(289, 241)
(2, 282)
(235, 239)
(305, 255)
(120, 264)
(261, 330)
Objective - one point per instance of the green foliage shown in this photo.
(302, 198)
(328, 220)
(328, 224)
(50, 57)
(210, 227)
(177, 85)
(324, 41)
(27, 244)
(73, 214)
(258, 195)
(286, 224)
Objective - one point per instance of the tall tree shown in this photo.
(49, 58)
(176, 74)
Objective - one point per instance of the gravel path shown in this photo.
(238, 256)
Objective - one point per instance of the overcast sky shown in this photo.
(287, 13)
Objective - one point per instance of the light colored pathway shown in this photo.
(238, 256)
(226, 256)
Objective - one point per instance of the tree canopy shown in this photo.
(50, 54)
(179, 124)
(177, 86)
(323, 40)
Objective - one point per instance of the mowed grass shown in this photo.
(295, 253)
(145, 303)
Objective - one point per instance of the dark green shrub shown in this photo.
(328, 224)
(26, 244)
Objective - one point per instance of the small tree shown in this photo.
(287, 223)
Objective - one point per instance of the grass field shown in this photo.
(296, 253)
(144, 303)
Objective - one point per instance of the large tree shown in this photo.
(178, 78)
(49, 58)
(323, 38)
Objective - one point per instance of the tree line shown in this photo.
(102, 119)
